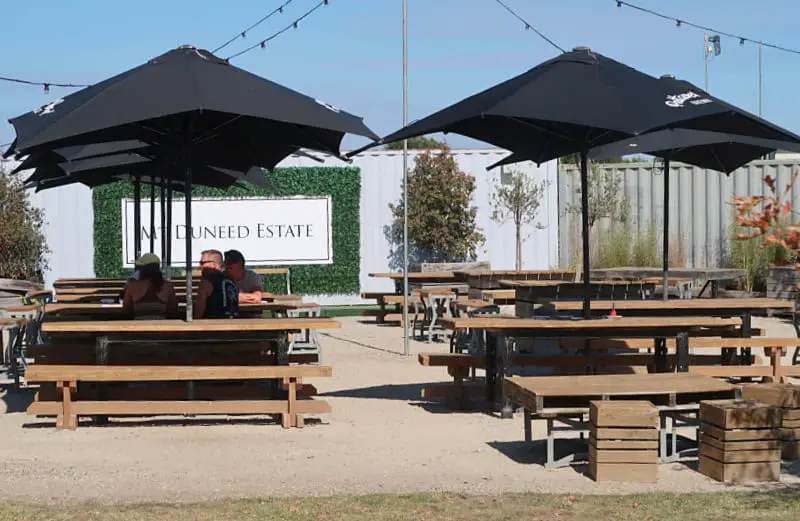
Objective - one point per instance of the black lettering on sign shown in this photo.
(246, 233)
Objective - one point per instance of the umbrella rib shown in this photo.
(211, 133)
(540, 128)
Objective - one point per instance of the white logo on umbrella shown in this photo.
(328, 106)
(679, 100)
(49, 108)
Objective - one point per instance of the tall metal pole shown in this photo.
(666, 229)
(587, 313)
(406, 351)
(705, 57)
(137, 217)
(759, 78)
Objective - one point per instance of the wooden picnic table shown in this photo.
(116, 308)
(566, 399)
(498, 356)
(197, 331)
(718, 307)
(710, 276)
(419, 275)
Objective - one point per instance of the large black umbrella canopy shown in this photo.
(185, 96)
(184, 102)
(135, 164)
(718, 151)
(226, 153)
(578, 101)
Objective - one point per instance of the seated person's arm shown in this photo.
(203, 291)
(172, 302)
(255, 294)
(127, 302)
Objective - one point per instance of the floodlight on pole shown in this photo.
(712, 45)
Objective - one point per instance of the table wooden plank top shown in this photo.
(239, 325)
(621, 323)
(693, 273)
(6, 323)
(113, 309)
(417, 275)
(619, 385)
(744, 304)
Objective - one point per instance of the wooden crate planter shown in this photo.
(787, 397)
(739, 441)
(782, 282)
(623, 441)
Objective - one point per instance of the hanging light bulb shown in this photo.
(677, 23)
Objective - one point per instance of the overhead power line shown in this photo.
(243, 34)
(681, 21)
(45, 84)
(293, 25)
(530, 27)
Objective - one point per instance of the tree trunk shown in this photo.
(519, 246)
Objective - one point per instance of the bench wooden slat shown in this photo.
(179, 407)
(511, 324)
(195, 326)
(60, 373)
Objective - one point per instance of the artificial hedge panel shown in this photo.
(342, 184)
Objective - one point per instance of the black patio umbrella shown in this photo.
(717, 151)
(578, 101)
(185, 102)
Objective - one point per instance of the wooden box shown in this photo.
(740, 414)
(739, 472)
(630, 472)
(623, 413)
(787, 397)
(623, 441)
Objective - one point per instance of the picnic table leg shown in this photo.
(527, 420)
(101, 358)
(660, 353)
(67, 419)
(506, 411)
(682, 352)
(490, 352)
(746, 355)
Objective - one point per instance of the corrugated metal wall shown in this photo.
(381, 177)
(69, 229)
(700, 213)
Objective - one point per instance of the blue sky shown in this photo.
(349, 53)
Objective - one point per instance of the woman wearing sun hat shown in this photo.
(150, 297)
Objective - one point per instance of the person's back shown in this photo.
(223, 300)
(217, 294)
(151, 297)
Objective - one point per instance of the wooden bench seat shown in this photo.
(67, 379)
(391, 307)
(459, 366)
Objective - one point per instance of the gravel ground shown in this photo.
(380, 438)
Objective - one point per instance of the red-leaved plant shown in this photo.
(769, 217)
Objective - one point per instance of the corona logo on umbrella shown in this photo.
(678, 100)
(49, 108)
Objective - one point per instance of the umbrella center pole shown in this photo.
(188, 209)
(585, 232)
(665, 248)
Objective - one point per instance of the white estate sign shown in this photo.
(268, 231)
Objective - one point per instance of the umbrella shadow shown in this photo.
(170, 422)
(16, 400)
(535, 453)
(402, 392)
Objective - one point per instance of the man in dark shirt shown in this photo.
(217, 295)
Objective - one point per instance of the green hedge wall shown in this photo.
(342, 184)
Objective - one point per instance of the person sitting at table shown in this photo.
(248, 281)
(150, 297)
(217, 294)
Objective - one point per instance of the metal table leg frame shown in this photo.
(504, 366)
(570, 425)
(670, 421)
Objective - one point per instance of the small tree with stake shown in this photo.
(518, 201)
(441, 218)
(22, 244)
